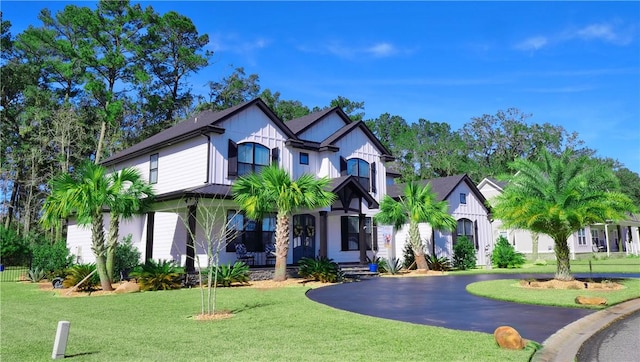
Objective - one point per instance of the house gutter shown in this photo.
(208, 156)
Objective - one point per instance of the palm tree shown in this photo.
(558, 196)
(128, 194)
(84, 194)
(273, 189)
(418, 204)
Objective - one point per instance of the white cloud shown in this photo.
(381, 50)
(341, 50)
(233, 43)
(605, 32)
(533, 43)
(613, 33)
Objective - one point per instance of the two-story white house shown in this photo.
(199, 159)
(620, 237)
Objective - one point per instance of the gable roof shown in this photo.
(442, 186)
(204, 122)
(499, 185)
(335, 137)
(351, 182)
(301, 124)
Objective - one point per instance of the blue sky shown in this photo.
(575, 64)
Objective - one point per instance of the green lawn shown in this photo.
(269, 325)
(610, 265)
(509, 290)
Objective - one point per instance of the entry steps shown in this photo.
(356, 271)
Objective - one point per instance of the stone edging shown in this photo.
(564, 345)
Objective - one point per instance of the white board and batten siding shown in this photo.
(250, 125)
(320, 131)
(181, 165)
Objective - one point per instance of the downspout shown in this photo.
(208, 157)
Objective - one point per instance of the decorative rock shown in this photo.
(127, 287)
(590, 300)
(508, 338)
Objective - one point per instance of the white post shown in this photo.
(60, 343)
(637, 239)
(606, 237)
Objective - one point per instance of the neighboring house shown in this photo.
(612, 237)
(201, 157)
(466, 204)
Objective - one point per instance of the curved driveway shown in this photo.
(443, 301)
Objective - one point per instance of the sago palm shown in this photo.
(274, 190)
(417, 204)
(558, 196)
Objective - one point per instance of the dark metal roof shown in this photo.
(339, 183)
(442, 186)
(202, 123)
(215, 191)
(331, 140)
(299, 125)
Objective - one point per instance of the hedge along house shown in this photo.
(620, 237)
(466, 204)
(196, 161)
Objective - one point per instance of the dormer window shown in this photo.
(359, 168)
(252, 157)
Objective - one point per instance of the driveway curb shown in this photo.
(563, 346)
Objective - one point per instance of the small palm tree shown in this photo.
(273, 189)
(83, 193)
(128, 194)
(417, 204)
(558, 196)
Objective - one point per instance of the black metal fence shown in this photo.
(13, 273)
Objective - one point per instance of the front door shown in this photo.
(304, 237)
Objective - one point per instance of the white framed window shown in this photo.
(153, 168)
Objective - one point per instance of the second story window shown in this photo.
(252, 157)
(153, 168)
(463, 198)
(359, 168)
(304, 158)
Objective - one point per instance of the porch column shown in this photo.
(322, 229)
(636, 238)
(151, 217)
(362, 240)
(606, 237)
(191, 252)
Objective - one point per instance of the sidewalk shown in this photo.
(563, 346)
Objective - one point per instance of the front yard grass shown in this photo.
(278, 324)
(509, 290)
(625, 265)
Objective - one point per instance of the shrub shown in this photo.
(127, 257)
(14, 250)
(54, 258)
(408, 258)
(229, 274)
(161, 275)
(393, 265)
(36, 275)
(464, 254)
(77, 273)
(504, 255)
(322, 269)
(438, 264)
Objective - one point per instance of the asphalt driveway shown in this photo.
(443, 301)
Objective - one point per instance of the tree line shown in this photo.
(86, 83)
